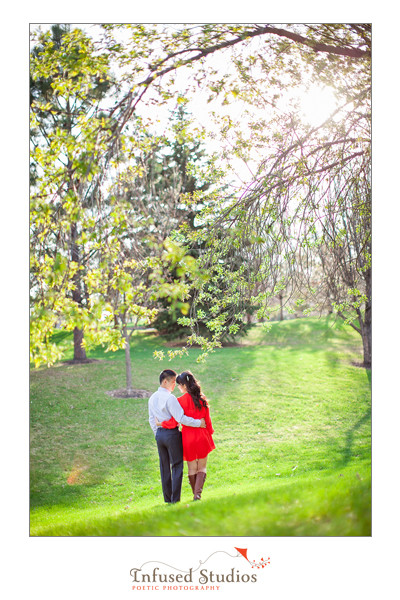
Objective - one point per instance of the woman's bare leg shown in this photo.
(192, 467)
(202, 465)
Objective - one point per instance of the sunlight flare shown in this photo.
(317, 104)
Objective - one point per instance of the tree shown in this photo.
(148, 268)
(68, 137)
(319, 187)
(87, 270)
(344, 250)
(180, 164)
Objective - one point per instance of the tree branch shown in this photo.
(341, 315)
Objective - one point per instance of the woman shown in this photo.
(197, 442)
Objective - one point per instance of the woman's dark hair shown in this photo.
(193, 387)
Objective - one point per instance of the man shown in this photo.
(162, 406)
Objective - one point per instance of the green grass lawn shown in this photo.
(292, 420)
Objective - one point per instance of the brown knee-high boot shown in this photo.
(198, 488)
(192, 481)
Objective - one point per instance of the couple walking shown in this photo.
(195, 441)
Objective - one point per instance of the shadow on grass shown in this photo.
(60, 495)
(348, 452)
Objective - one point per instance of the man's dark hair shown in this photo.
(167, 374)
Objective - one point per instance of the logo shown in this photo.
(159, 576)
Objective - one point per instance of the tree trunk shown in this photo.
(366, 338)
(79, 350)
(366, 334)
(366, 322)
(128, 365)
(281, 305)
(367, 328)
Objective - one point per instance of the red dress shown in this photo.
(197, 441)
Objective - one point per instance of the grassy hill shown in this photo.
(292, 419)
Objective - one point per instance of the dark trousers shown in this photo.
(170, 451)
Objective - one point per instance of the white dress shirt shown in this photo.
(163, 405)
